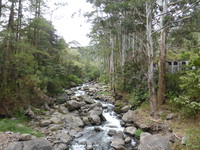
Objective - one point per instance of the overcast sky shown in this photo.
(76, 27)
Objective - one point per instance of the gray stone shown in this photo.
(86, 120)
(45, 123)
(98, 104)
(171, 137)
(87, 99)
(96, 111)
(98, 129)
(37, 144)
(129, 116)
(56, 120)
(65, 138)
(127, 140)
(111, 132)
(95, 119)
(63, 110)
(117, 143)
(130, 130)
(55, 127)
(73, 121)
(143, 135)
(126, 108)
(73, 105)
(154, 142)
(25, 137)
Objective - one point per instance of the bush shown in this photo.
(190, 85)
(137, 133)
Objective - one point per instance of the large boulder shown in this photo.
(129, 116)
(154, 142)
(73, 121)
(95, 119)
(118, 143)
(73, 105)
(87, 99)
(36, 144)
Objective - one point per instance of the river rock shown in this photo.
(117, 143)
(63, 137)
(143, 135)
(56, 120)
(127, 140)
(73, 121)
(45, 123)
(154, 142)
(73, 105)
(55, 127)
(126, 108)
(25, 137)
(96, 120)
(86, 120)
(130, 130)
(98, 104)
(111, 132)
(37, 144)
(63, 109)
(87, 99)
(96, 111)
(129, 116)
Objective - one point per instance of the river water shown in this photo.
(100, 140)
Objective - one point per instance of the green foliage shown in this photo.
(137, 97)
(16, 125)
(104, 78)
(190, 97)
(103, 93)
(137, 133)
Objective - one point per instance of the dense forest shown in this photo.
(148, 52)
(139, 42)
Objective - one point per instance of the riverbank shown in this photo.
(83, 116)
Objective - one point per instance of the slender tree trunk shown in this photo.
(123, 55)
(152, 93)
(19, 21)
(162, 58)
(112, 70)
(0, 9)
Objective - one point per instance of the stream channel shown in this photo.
(90, 138)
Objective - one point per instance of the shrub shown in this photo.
(137, 133)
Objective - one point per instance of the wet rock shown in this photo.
(96, 120)
(129, 116)
(118, 143)
(89, 146)
(73, 105)
(60, 146)
(126, 108)
(130, 130)
(154, 142)
(98, 104)
(45, 123)
(98, 129)
(73, 133)
(96, 111)
(87, 99)
(112, 132)
(63, 137)
(37, 144)
(69, 92)
(25, 137)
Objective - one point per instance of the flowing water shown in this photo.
(100, 140)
